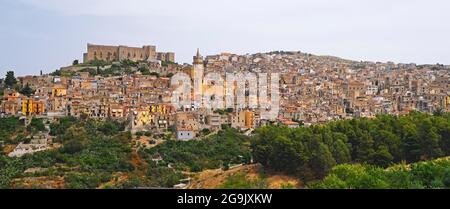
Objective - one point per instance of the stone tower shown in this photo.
(198, 59)
(197, 78)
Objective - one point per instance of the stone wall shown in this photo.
(166, 56)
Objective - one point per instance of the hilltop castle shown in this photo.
(119, 53)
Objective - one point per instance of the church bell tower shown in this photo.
(197, 78)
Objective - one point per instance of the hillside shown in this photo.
(212, 179)
(357, 153)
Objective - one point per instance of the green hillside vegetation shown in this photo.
(12, 130)
(92, 151)
(345, 154)
(310, 153)
(227, 147)
(423, 175)
(96, 153)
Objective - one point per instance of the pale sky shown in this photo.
(47, 34)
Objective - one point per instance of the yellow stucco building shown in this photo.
(31, 107)
(58, 91)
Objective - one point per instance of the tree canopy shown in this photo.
(423, 175)
(27, 91)
(311, 152)
(10, 79)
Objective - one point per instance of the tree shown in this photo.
(340, 151)
(75, 133)
(411, 143)
(144, 71)
(10, 79)
(381, 157)
(36, 125)
(389, 140)
(322, 161)
(430, 140)
(205, 131)
(226, 166)
(353, 177)
(446, 179)
(111, 127)
(364, 148)
(56, 73)
(27, 91)
(73, 146)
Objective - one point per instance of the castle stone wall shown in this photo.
(119, 53)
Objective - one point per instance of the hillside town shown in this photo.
(133, 85)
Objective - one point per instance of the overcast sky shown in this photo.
(47, 34)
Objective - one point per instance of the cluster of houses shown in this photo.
(313, 89)
(318, 89)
